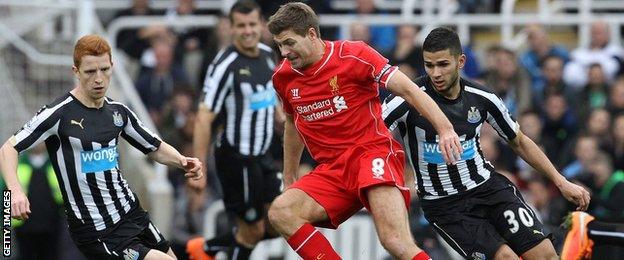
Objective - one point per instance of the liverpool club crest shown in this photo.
(473, 115)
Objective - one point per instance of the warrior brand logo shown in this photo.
(473, 115)
(295, 93)
(333, 83)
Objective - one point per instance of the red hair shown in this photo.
(93, 45)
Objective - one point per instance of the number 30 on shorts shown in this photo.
(525, 218)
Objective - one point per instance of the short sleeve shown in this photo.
(41, 126)
(138, 135)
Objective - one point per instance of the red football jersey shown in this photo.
(334, 102)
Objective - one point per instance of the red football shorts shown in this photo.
(339, 187)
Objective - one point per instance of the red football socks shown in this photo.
(309, 243)
(421, 256)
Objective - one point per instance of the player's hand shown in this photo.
(575, 194)
(197, 184)
(450, 146)
(20, 206)
(193, 168)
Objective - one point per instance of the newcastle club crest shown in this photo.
(473, 115)
(117, 119)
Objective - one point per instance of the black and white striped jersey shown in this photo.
(241, 88)
(82, 145)
(474, 106)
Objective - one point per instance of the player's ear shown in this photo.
(461, 60)
(75, 70)
(312, 33)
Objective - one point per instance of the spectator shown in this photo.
(585, 149)
(360, 32)
(552, 83)
(382, 37)
(601, 50)
(219, 39)
(615, 148)
(598, 125)
(534, 58)
(548, 207)
(560, 126)
(156, 84)
(510, 82)
(616, 97)
(594, 94)
(135, 41)
(532, 126)
(407, 50)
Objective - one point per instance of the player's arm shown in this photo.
(293, 148)
(169, 156)
(402, 86)
(533, 155)
(20, 207)
(201, 140)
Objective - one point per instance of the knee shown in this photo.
(395, 244)
(280, 212)
(252, 233)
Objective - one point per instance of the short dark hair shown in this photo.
(296, 16)
(442, 38)
(243, 7)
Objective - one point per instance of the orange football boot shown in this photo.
(577, 245)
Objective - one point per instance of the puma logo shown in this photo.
(320, 256)
(537, 232)
(74, 122)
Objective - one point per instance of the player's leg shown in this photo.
(389, 212)
(292, 215)
(158, 255)
(544, 250)
(381, 189)
(505, 252)
(246, 237)
(319, 198)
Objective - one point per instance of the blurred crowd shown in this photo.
(569, 101)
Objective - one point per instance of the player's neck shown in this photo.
(249, 52)
(319, 48)
(451, 93)
(86, 100)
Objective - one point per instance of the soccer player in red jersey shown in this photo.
(330, 93)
